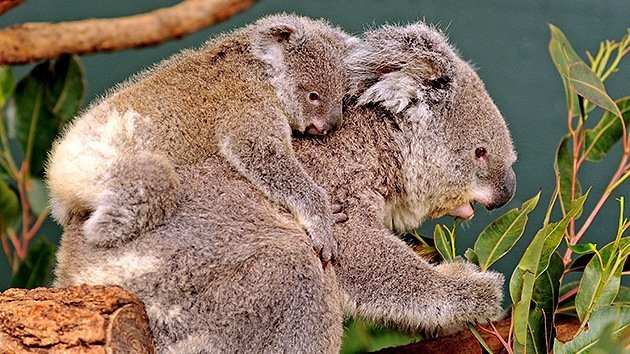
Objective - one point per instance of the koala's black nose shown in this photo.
(504, 190)
(335, 117)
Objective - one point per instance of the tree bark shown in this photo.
(6, 5)
(29, 42)
(79, 319)
(463, 342)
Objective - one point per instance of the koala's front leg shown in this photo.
(389, 284)
(140, 192)
(269, 162)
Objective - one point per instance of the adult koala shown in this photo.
(233, 272)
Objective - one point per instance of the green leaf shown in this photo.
(600, 281)
(36, 127)
(563, 166)
(471, 256)
(443, 244)
(38, 195)
(586, 84)
(498, 238)
(623, 296)
(44, 100)
(582, 248)
(608, 132)
(533, 264)
(545, 296)
(610, 322)
(6, 84)
(9, 206)
(65, 91)
(563, 55)
(36, 268)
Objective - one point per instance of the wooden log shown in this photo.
(79, 319)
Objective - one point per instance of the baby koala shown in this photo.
(241, 95)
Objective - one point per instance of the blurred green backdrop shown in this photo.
(505, 40)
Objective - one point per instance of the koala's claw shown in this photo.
(324, 244)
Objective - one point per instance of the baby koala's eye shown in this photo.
(313, 96)
(480, 152)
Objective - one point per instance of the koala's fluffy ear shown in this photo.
(392, 64)
(273, 35)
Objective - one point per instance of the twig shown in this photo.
(38, 224)
(31, 42)
(6, 249)
(6, 5)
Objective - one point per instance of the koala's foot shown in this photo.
(141, 192)
(476, 295)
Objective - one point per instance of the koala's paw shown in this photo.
(324, 243)
(479, 294)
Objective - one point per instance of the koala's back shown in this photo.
(263, 247)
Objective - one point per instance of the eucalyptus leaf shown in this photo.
(563, 166)
(600, 281)
(563, 55)
(65, 90)
(45, 100)
(534, 263)
(586, 84)
(36, 127)
(623, 296)
(38, 195)
(34, 271)
(498, 238)
(443, 244)
(6, 84)
(609, 321)
(9, 206)
(545, 296)
(471, 256)
(607, 132)
(582, 248)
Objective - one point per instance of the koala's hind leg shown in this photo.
(403, 290)
(141, 192)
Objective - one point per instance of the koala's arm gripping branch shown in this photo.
(401, 289)
(29, 42)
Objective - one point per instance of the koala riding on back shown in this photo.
(240, 95)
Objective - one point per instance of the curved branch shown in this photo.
(6, 5)
(29, 42)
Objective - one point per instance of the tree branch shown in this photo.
(29, 42)
(464, 342)
(6, 5)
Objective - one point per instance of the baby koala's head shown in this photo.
(307, 68)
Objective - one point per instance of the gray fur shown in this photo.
(239, 96)
(233, 272)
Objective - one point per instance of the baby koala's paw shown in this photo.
(324, 242)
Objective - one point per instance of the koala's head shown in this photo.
(305, 59)
(454, 143)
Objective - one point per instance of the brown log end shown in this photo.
(79, 319)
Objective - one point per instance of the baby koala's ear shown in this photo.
(272, 36)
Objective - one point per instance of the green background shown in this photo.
(505, 40)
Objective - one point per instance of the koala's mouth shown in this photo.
(465, 211)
